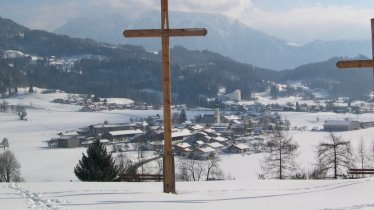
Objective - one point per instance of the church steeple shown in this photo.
(217, 115)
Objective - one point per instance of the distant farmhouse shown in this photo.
(13, 54)
(233, 96)
(341, 125)
(68, 141)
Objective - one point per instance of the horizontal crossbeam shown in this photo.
(360, 170)
(166, 32)
(356, 64)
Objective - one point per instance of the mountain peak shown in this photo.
(9, 28)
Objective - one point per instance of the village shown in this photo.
(235, 129)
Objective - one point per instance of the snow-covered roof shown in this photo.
(108, 125)
(122, 101)
(232, 117)
(183, 145)
(209, 130)
(180, 133)
(206, 149)
(125, 132)
(200, 142)
(237, 122)
(197, 127)
(215, 145)
(104, 141)
(241, 146)
(338, 122)
(70, 133)
(220, 139)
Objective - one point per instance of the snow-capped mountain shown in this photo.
(225, 36)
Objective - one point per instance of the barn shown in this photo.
(341, 125)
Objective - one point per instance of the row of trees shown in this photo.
(197, 170)
(18, 109)
(334, 158)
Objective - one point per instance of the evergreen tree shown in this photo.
(182, 116)
(274, 92)
(297, 106)
(31, 89)
(98, 165)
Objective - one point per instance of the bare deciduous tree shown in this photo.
(362, 155)
(4, 106)
(5, 143)
(183, 173)
(160, 166)
(212, 166)
(196, 169)
(122, 162)
(280, 162)
(9, 167)
(334, 156)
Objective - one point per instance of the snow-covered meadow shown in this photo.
(48, 172)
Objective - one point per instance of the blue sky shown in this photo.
(298, 21)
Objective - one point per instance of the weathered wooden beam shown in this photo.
(355, 64)
(148, 33)
(169, 168)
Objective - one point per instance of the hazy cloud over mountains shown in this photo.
(298, 21)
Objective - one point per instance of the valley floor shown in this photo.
(50, 181)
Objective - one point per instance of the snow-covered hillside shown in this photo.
(217, 195)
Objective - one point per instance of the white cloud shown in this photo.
(296, 23)
(309, 23)
(231, 8)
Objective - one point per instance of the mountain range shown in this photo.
(226, 36)
(109, 70)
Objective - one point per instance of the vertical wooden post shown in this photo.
(169, 176)
(372, 46)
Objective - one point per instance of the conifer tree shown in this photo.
(182, 116)
(97, 166)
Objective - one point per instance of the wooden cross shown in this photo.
(165, 33)
(361, 63)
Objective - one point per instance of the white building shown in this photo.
(13, 54)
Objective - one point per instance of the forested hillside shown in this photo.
(123, 70)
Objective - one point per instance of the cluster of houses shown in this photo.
(340, 105)
(208, 135)
(212, 135)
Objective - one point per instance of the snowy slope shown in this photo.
(217, 195)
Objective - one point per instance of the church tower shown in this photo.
(217, 115)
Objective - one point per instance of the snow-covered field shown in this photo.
(48, 172)
(252, 194)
